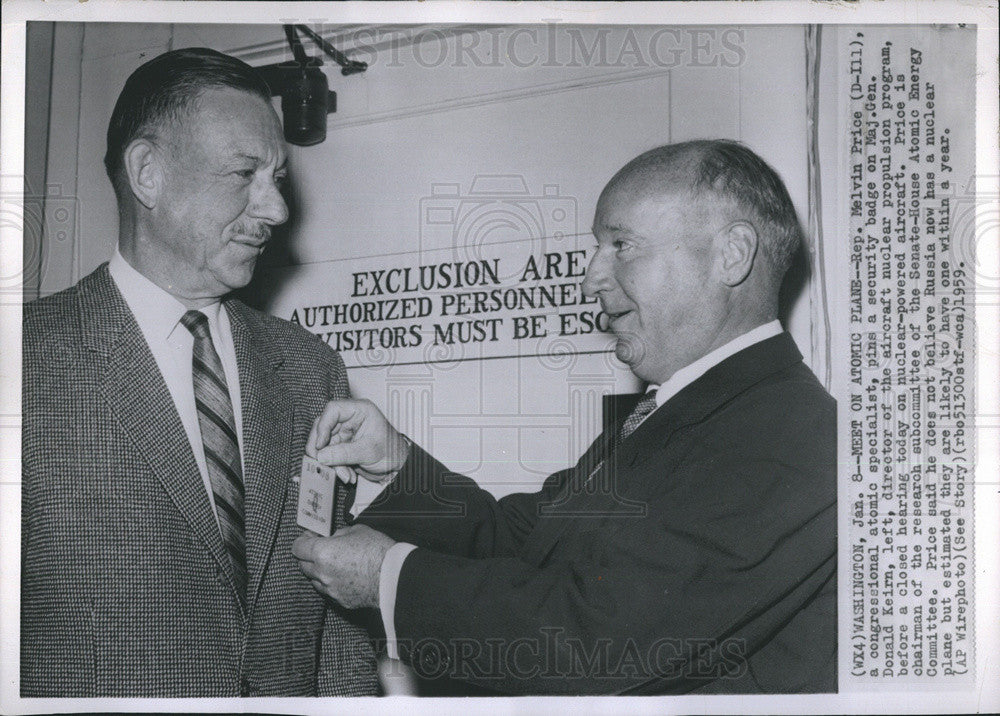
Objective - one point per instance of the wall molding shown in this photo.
(488, 98)
(352, 38)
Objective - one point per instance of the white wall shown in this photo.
(424, 114)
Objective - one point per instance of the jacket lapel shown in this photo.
(691, 405)
(573, 501)
(134, 389)
(719, 385)
(267, 409)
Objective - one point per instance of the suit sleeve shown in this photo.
(431, 506)
(728, 552)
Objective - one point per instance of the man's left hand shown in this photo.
(346, 565)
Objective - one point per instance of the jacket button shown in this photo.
(433, 659)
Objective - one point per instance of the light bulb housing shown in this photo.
(306, 98)
(304, 108)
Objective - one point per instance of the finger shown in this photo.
(316, 438)
(309, 570)
(341, 454)
(335, 413)
(341, 434)
(311, 440)
(343, 536)
(304, 546)
(344, 473)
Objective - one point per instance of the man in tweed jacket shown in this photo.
(127, 585)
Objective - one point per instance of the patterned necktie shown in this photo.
(643, 408)
(222, 448)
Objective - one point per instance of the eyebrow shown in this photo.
(258, 160)
(611, 227)
(251, 157)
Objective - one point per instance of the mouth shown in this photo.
(249, 251)
(253, 237)
(614, 316)
(256, 243)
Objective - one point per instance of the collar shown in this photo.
(157, 311)
(719, 385)
(690, 373)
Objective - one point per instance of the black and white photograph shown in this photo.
(641, 355)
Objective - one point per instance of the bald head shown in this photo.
(693, 241)
(723, 180)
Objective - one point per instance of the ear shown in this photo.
(145, 175)
(738, 251)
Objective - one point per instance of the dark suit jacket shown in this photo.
(700, 556)
(126, 589)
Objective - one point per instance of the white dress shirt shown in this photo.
(158, 314)
(690, 373)
(367, 492)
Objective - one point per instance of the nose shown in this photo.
(268, 204)
(597, 278)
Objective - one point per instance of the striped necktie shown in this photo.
(222, 448)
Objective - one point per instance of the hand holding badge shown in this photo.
(352, 437)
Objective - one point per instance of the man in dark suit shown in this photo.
(165, 422)
(693, 546)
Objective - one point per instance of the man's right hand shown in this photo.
(354, 433)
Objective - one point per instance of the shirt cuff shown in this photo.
(388, 581)
(366, 493)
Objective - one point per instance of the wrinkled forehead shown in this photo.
(227, 119)
(622, 199)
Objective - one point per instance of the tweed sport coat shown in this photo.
(700, 555)
(126, 589)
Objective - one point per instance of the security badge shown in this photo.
(317, 488)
